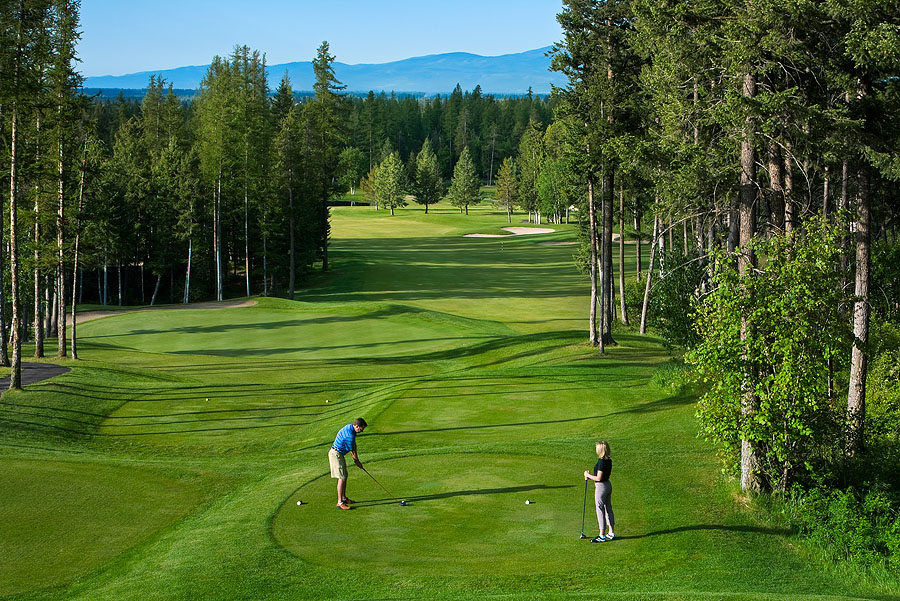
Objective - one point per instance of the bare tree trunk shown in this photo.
(38, 309)
(790, 217)
(606, 279)
(826, 188)
(776, 196)
(265, 268)
(53, 309)
(856, 397)
(220, 293)
(624, 311)
(60, 264)
(15, 376)
(592, 235)
(291, 226)
(653, 246)
(75, 279)
(187, 273)
(750, 473)
(246, 221)
(119, 277)
(155, 290)
(639, 244)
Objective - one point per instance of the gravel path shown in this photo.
(35, 372)
(84, 316)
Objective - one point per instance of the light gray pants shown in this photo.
(603, 501)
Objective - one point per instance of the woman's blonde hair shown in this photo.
(602, 449)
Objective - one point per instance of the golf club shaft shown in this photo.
(583, 506)
(382, 485)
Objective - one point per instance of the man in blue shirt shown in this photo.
(345, 442)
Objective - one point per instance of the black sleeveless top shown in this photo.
(605, 466)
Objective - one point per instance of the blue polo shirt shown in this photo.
(345, 440)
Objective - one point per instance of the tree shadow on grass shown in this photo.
(460, 493)
(703, 527)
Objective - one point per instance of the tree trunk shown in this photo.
(246, 221)
(639, 244)
(750, 474)
(38, 309)
(622, 308)
(592, 240)
(606, 284)
(653, 246)
(187, 272)
(789, 209)
(220, 293)
(15, 376)
(60, 264)
(856, 398)
(776, 194)
(75, 279)
(155, 290)
(292, 260)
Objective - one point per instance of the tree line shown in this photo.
(761, 139)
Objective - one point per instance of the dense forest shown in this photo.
(752, 144)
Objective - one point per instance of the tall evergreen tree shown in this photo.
(428, 186)
(464, 187)
(327, 108)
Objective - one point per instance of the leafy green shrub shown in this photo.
(795, 339)
(847, 526)
(634, 297)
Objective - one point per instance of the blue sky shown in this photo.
(130, 36)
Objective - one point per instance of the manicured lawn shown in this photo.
(168, 463)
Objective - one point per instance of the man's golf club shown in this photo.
(583, 507)
(386, 490)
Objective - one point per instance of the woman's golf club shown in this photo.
(386, 490)
(583, 507)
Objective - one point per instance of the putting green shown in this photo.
(462, 509)
(61, 519)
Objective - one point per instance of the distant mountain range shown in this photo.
(508, 74)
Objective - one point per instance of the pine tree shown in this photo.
(464, 187)
(428, 186)
(327, 108)
(389, 183)
(508, 187)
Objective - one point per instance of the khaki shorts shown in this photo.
(338, 464)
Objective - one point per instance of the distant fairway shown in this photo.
(168, 463)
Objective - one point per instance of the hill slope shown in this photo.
(434, 74)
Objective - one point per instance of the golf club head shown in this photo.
(583, 536)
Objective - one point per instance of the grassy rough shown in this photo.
(167, 464)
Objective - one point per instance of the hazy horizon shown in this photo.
(121, 38)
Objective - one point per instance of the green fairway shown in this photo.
(168, 463)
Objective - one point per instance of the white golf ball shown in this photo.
(528, 502)
(299, 502)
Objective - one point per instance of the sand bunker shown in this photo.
(514, 231)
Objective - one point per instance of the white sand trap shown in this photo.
(514, 231)
(521, 231)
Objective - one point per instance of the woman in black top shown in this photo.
(603, 493)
